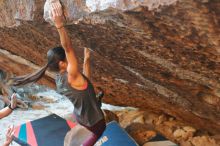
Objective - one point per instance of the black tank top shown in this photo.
(86, 107)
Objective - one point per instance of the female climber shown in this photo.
(69, 81)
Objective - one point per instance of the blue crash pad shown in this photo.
(114, 135)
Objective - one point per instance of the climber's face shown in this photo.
(63, 66)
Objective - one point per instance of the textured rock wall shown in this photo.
(166, 60)
(13, 11)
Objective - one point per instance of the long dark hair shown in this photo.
(54, 56)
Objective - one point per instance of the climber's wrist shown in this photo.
(59, 26)
(10, 107)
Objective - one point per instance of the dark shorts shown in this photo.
(97, 131)
(98, 128)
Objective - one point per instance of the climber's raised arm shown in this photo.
(86, 63)
(58, 18)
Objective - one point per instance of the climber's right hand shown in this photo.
(57, 14)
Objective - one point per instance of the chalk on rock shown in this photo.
(75, 10)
